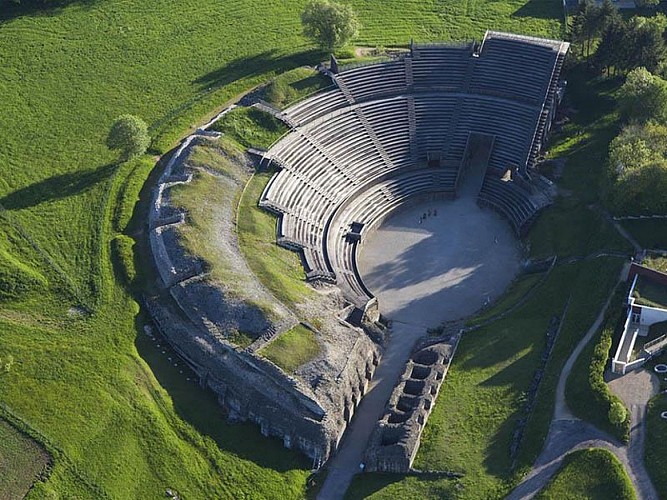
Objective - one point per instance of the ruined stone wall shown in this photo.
(395, 440)
(308, 410)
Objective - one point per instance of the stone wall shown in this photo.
(395, 439)
(310, 409)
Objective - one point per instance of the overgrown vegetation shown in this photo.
(292, 349)
(637, 168)
(279, 270)
(250, 127)
(294, 85)
(586, 392)
(650, 294)
(592, 474)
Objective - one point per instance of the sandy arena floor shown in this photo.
(445, 268)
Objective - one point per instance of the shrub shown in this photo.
(617, 413)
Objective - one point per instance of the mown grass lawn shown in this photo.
(21, 462)
(592, 474)
(80, 379)
(649, 233)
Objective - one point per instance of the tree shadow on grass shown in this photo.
(265, 62)
(34, 8)
(56, 187)
(539, 9)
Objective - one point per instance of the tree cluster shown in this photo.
(622, 44)
(638, 155)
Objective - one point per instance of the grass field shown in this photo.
(292, 349)
(586, 392)
(21, 462)
(67, 73)
(592, 474)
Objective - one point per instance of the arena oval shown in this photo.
(439, 130)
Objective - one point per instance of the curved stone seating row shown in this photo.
(443, 67)
(375, 81)
(518, 205)
(326, 160)
(355, 152)
(369, 208)
(501, 68)
(320, 104)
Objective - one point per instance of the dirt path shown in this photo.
(568, 433)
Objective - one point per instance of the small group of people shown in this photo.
(430, 212)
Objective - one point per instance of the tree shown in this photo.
(612, 50)
(331, 25)
(129, 135)
(617, 413)
(647, 4)
(637, 174)
(646, 45)
(586, 24)
(643, 97)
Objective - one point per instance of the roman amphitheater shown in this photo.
(403, 187)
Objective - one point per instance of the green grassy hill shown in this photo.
(119, 427)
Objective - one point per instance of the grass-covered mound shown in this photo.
(22, 461)
(592, 474)
(250, 127)
(294, 85)
(292, 349)
(279, 270)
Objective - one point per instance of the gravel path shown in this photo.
(568, 433)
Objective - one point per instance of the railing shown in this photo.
(650, 344)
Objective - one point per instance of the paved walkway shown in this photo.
(345, 463)
(568, 433)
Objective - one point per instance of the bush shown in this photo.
(6, 363)
(617, 413)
